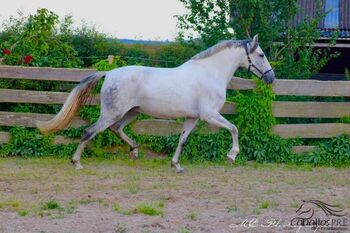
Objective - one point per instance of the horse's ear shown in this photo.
(254, 43)
(256, 38)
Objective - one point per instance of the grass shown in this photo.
(232, 209)
(10, 204)
(116, 207)
(294, 204)
(120, 228)
(86, 201)
(267, 204)
(51, 208)
(133, 188)
(264, 205)
(71, 207)
(147, 209)
(193, 215)
(161, 203)
(23, 213)
(151, 209)
(51, 205)
(256, 211)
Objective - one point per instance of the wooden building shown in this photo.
(337, 13)
(337, 18)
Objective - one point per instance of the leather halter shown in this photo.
(251, 64)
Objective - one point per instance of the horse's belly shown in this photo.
(167, 109)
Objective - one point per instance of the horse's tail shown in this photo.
(76, 98)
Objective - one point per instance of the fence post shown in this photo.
(110, 59)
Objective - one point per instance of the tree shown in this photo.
(90, 43)
(38, 40)
(210, 19)
(288, 47)
(174, 54)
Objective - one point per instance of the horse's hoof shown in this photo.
(230, 161)
(77, 165)
(134, 153)
(180, 170)
(231, 157)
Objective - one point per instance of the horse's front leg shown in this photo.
(220, 121)
(187, 129)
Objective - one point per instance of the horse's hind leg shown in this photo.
(102, 124)
(118, 129)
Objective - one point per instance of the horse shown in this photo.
(194, 90)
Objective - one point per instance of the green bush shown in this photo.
(332, 152)
(26, 143)
(30, 143)
(254, 121)
(38, 40)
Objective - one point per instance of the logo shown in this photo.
(313, 215)
(318, 214)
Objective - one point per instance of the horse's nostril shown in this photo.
(269, 80)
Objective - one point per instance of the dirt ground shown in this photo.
(48, 195)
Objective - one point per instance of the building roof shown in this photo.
(337, 16)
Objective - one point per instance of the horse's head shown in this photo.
(257, 62)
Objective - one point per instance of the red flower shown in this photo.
(6, 51)
(28, 59)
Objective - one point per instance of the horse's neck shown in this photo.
(224, 63)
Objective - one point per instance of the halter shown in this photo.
(251, 63)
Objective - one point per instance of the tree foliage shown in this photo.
(207, 18)
(91, 45)
(288, 47)
(40, 39)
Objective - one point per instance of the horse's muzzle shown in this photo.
(269, 77)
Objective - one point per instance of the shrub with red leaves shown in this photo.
(6, 51)
(28, 59)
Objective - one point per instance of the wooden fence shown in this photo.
(281, 109)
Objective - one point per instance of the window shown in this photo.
(332, 14)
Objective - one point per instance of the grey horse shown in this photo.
(194, 90)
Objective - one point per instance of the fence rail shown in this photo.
(43, 73)
(280, 109)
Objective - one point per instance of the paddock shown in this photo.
(147, 196)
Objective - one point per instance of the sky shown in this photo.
(132, 19)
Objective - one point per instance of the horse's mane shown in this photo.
(217, 48)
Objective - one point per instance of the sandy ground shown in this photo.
(111, 195)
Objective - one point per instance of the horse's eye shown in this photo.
(262, 55)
